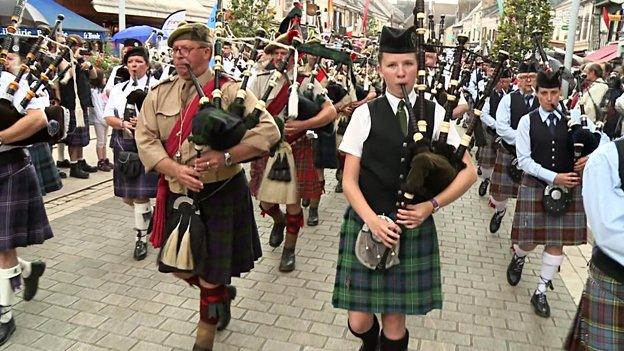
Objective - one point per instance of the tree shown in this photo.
(520, 18)
(245, 16)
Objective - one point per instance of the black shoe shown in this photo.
(479, 171)
(540, 305)
(224, 309)
(76, 171)
(338, 189)
(277, 234)
(305, 202)
(199, 348)
(63, 164)
(6, 330)
(514, 270)
(140, 248)
(287, 262)
(313, 217)
(31, 284)
(496, 220)
(484, 186)
(62, 174)
(85, 167)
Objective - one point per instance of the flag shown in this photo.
(365, 17)
(321, 76)
(172, 21)
(212, 20)
(330, 14)
(605, 16)
(500, 4)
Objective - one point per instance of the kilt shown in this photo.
(531, 224)
(232, 235)
(487, 153)
(411, 287)
(23, 218)
(310, 185)
(599, 321)
(142, 187)
(47, 173)
(77, 136)
(256, 171)
(502, 186)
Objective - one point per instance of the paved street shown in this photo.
(94, 296)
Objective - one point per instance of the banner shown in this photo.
(172, 21)
(212, 20)
(365, 17)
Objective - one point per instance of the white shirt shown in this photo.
(359, 127)
(117, 98)
(111, 80)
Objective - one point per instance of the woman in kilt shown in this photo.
(487, 153)
(599, 322)
(546, 157)
(218, 181)
(22, 213)
(375, 133)
(121, 113)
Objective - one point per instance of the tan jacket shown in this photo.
(593, 97)
(162, 108)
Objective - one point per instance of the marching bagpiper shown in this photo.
(510, 109)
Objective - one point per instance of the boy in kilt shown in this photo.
(126, 100)
(376, 133)
(75, 93)
(546, 157)
(226, 209)
(307, 181)
(599, 322)
(487, 154)
(510, 109)
(22, 213)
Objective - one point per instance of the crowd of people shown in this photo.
(183, 127)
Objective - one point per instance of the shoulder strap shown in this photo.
(619, 145)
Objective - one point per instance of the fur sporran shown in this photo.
(369, 249)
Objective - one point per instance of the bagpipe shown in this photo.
(12, 111)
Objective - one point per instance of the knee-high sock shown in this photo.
(274, 212)
(293, 225)
(8, 285)
(370, 338)
(25, 266)
(60, 152)
(486, 172)
(497, 205)
(518, 251)
(386, 344)
(208, 315)
(142, 215)
(550, 264)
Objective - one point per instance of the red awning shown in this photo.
(603, 54)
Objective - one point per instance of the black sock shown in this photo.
(394, 345)
(369, 338)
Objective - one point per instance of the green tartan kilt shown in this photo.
(412, 287)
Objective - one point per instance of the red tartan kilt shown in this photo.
(256, 171)
(502, 186)
(310, 186)
(531, 224)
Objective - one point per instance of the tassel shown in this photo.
(309, 91)
(293, 101)
(170, 250)
(272, 172)
(321, 98)
(287, 176)
(185, 255)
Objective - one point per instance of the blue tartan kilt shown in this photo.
(412, 287)
(233, 243)
(23, 219)
(47, 173)
(142, 187)
(599, 321)
(77, 136)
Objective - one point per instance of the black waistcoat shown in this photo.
(551, 153)
(519, 108)
(494, 101)
(383, 165)
(68, 95)
(619, 145)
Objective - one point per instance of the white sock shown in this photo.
(519, 252)
(498, 205)
(550, 264)
(7, 294)
(141, 223)
(60, 152)
(26, 267)
(486, 172)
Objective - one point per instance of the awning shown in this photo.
(604, 54)
(195, 11)
(45, 11)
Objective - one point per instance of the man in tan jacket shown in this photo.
(597, 89)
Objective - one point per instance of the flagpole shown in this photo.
(567, 63)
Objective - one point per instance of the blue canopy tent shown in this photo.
(141, 33)
(45, 11)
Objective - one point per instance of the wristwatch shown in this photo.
(228, 159)
(436, 205)
(1, 141)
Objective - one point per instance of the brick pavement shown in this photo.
(94, 296)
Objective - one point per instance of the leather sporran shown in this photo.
(514, 171)
(369, 249)
(129, 164)
(557, 200)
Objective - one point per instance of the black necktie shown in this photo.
(527, 98)
(552, 126)
(402, 117)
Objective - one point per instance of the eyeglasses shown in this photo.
(185, 50)
(526, 77)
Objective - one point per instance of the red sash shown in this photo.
(172, 145)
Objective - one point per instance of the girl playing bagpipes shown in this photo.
(229, 243)
(376, 167)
